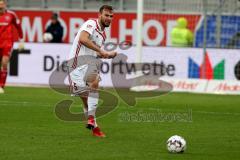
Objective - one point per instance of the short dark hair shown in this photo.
(105, 7)
(54, 16)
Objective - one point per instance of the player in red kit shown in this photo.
(8, 21)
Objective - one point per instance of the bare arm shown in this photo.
(84, 39)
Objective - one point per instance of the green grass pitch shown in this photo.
(29, 128)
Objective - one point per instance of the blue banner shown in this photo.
(230, 32)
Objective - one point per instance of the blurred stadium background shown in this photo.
(222, 15)
(203, 107)
(215, 25)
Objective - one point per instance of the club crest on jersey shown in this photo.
(7, 18)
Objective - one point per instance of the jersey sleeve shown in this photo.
(89, 26)
(16, 22)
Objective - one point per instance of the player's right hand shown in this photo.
(112, 54)
(105, 54)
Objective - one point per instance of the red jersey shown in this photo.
(8, 21)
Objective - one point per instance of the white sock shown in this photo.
(95, 125)
(92, 104)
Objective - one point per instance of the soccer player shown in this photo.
(8, 20)
(84, 64)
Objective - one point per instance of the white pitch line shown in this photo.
(218, 113)
(189, 109)
(24, 103)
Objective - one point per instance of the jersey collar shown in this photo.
(99, 26)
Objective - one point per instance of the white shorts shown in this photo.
(78, 78)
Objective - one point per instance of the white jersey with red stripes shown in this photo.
(96, 36)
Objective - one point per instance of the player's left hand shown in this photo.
(21, 45)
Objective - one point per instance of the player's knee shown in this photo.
(4, 62)
(94, 85)
(4, 66)
(93, 81)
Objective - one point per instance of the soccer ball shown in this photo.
(176, 144)
(47, 37)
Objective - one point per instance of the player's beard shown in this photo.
(104, 24)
